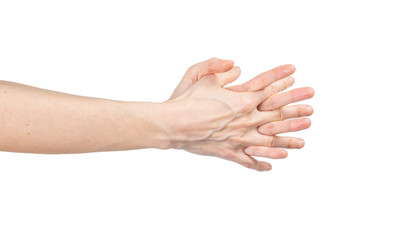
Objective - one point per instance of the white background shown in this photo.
(340, 186)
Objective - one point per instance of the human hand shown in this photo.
(224, 68)
(278, 102)
(212, 120)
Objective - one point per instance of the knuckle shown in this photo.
(212, 59)
(193, 67)
(278, 115)
(300, 111)
(192, 71)
(273, 89)
(210, 77)
(211, 62)
(247, 103)
(291, 144)
(269, 91)
(238, 140)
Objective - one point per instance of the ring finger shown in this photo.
(267, 152)
(254, 138)
(283, 113)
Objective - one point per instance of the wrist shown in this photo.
(168, 121)
(142, 125)
(158, 119)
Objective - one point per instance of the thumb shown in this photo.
(199, 70)
(210, 66)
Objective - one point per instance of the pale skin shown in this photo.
(202, 116)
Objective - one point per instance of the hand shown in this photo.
(212, 120)
(224, 68)
(278, 102)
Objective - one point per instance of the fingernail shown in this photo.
(264, 167)
(284, 153)
(309, 110)
(268, 168)
(301, 143)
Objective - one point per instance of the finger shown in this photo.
(264, 79)
(286, 142)
(283, 99)
(199, 70)
(285, 126)
(267, 152)
(263, 166)
(252, 163)
(254, 138)
(228, 77)
(284, 113)
(274, 88)
(274, 141)
(210, 66)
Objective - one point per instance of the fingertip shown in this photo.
(264, 166)
(301, 143)
(283, 154)
(306, 122)
(311, 92)
(269, 167)
(289, 68)
(309, 122)
(309, 110)
(228, 64)
(291, 80)
(237, 70)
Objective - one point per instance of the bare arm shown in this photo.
(201, 117)
(35, 120)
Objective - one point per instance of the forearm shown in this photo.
(41, 121)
